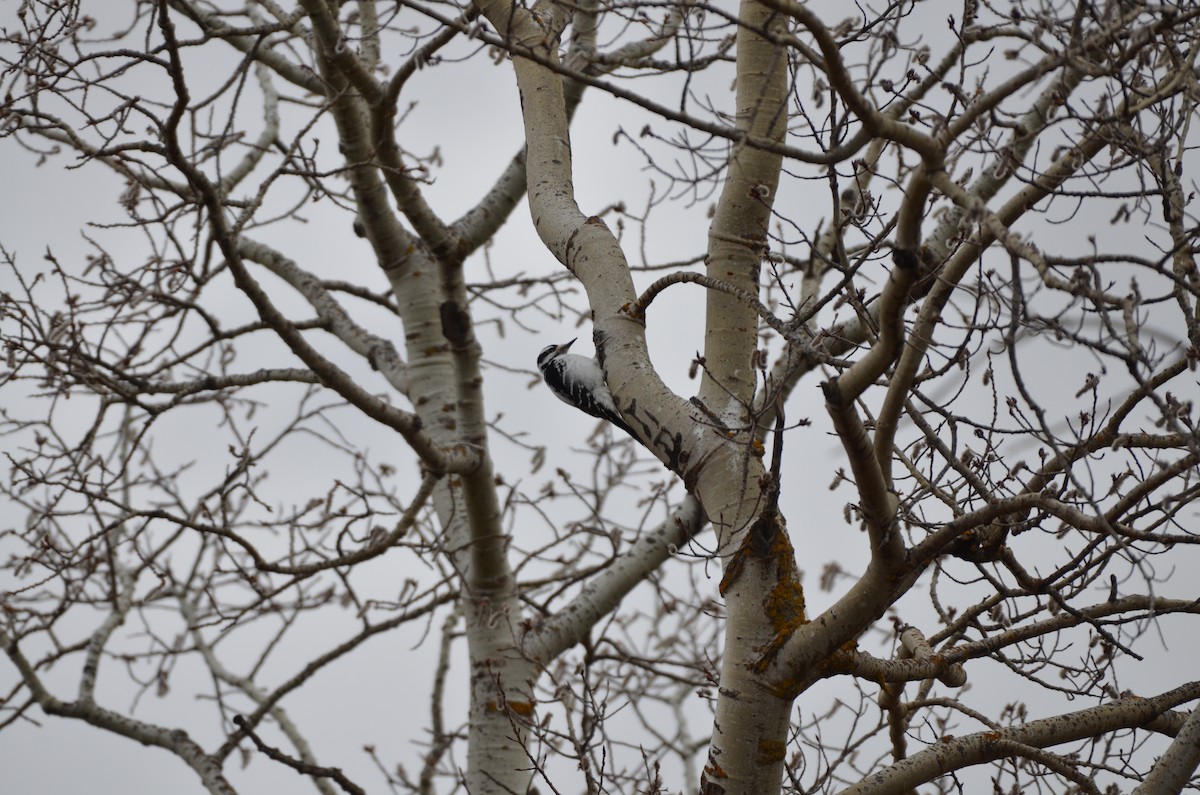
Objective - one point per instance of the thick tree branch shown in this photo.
(572, 623)
(1176, 767)
(381, 354)
(961, 752)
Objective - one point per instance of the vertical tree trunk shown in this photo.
(760, 584)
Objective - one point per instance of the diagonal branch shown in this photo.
(958, 753)
(1178, 764)
(572, 623)
(378, 351)
(299, 765)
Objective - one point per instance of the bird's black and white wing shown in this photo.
(579, 381)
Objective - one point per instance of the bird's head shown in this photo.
(551, 352)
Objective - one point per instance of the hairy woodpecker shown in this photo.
(579, 381)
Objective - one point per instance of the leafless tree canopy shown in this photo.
(920, 518)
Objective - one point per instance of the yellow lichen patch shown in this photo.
(784, 606)
(787, 688)
(522, 708)
(783, 551)
(771, 751)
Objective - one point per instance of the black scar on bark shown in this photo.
(456, 324)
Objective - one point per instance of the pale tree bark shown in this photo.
(760, 585)
(727, 476)
(1000, 526)
(1026, 740)
(1176, 767)
(427, 278)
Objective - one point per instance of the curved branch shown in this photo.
(1076, 617)
(214, 26)
(299, 765)
(876, 123)
(787, 330)
(317, 664)
(176, 741)
(961, 752)
(375, 547)
(738, 137)
(866, 666)
(253, 691)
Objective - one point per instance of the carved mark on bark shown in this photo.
(630, 412)
(677, 457)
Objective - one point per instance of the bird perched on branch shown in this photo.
(579, 381)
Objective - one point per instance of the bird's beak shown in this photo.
(566, 346)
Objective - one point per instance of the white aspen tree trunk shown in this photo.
(585, 245)
(1175, 767)
(760, 585)
(445, 374)
(445, 388)
(501, 678)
